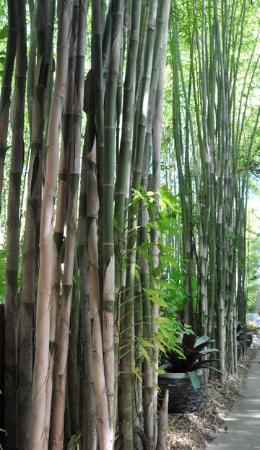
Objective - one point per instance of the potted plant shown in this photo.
(182, 373)
(244, 339)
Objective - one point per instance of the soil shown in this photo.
(192, 431)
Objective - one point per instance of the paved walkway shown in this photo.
(243, 424)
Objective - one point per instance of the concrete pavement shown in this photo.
(243, 424)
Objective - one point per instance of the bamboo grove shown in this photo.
(128, 141)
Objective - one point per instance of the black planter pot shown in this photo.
(239, 350)
(249, 339)
(183, 398)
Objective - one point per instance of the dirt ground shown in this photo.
(192, 431)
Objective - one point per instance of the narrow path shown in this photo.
(241, 429)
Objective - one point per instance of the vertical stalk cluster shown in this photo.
(83, 252)
(207, 129)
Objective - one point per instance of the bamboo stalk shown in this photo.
(89, 401)
(156, 174)
(13, 234)
(128, 307)
(108, 201)
(6, 87)
(163, 424)
(60, 364)
(105, 430)
(32, 224)
(40, 373)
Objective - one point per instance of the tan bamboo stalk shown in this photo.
(222, 124)
(61, 212)
(6, 87)
(89, 434)
(73, 364)
(157, 141)
(108, 201)
(105, 430)
(61, 354)
(99, 63)
(40, 373)
(13, 234)
(95, 403)
(60, 220)
(148, 385)
(67, 419)
(163, 424)
(52, 9)
(32, 224)
(58, 246)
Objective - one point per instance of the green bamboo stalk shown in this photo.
(123, 167)
(6, 87)
(127, 332)
(31, 61)
(183, 175)
(127, 138)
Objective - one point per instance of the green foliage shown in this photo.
(193, 356)
(166, 288)
(167, 338)
(3, 35)
(195, 379)
(253, 259)
(251, 301)
(166, 281)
